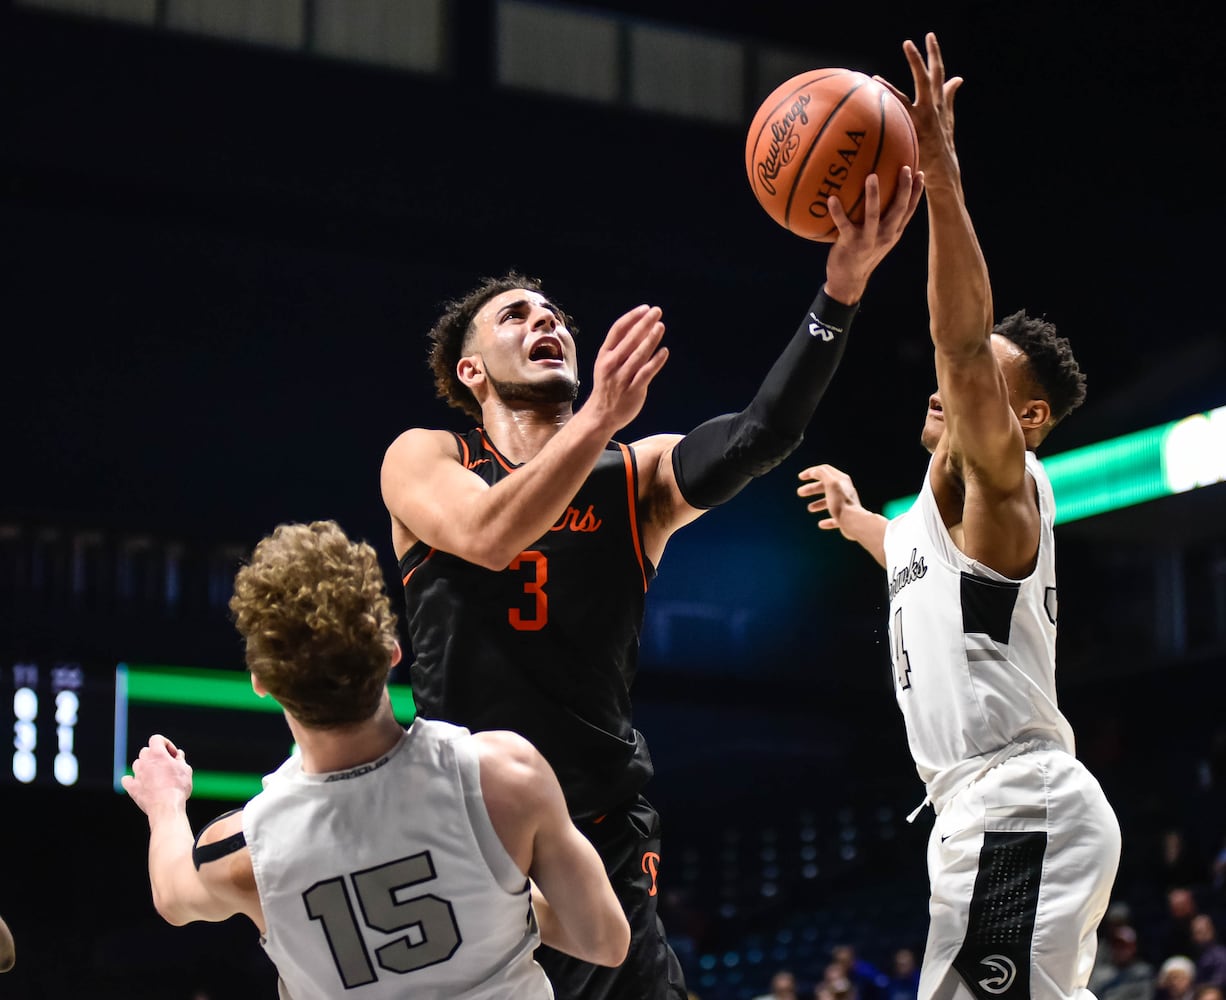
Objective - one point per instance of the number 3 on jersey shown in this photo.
(902, 659)
(536, 568)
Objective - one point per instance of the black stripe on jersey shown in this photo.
(202, 854)
(994, 960)
(987, 606)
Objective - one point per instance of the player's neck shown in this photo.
(324, 751)
(520, 432)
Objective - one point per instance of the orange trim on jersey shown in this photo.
(464, 456)
(405, 581)
(633, 502)
(494, 451)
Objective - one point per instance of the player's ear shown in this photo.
(1035, 414)
(257, 687)
(397, 653)
(470, 370)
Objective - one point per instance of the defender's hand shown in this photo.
(834, 493)
(932, 111)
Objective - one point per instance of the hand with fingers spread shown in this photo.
(859, 249)
(628, 360)
(932, 111)
(833, 492)
(161, 778)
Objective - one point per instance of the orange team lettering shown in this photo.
(572, 519)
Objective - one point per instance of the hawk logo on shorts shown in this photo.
(1005, 972)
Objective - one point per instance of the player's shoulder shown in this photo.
(510, 765)
(655, 443)
(503, 744)
(650, 451)
(221, 855)
(421, 444)
(222, 827)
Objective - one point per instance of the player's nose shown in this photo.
(544, 319)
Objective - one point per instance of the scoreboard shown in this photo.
(80, 724)
(63, 723)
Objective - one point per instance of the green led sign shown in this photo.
(1145, 465)
(207, 689)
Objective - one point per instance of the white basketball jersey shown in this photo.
(389, 881)
(974, 652)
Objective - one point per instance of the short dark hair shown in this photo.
(451, 330)
(1050, 359)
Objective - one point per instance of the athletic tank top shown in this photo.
(388, 880)
(547, 647)
(974, 652)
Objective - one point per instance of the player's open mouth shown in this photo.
(547, 350)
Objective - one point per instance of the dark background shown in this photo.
(219, 263)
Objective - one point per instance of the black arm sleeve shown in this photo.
(717, 459)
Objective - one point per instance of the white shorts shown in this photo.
(1021, 865)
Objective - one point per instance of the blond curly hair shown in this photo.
(318, 625)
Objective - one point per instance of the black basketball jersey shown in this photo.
(547, 647)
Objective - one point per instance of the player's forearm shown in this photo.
(866, 529)
(553, 931)
(583, 912)
(170, 863)
(959, 291)
(604, 937)
(717, 459)
(521, 508)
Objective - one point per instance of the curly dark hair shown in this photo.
(1050, 359)
(319, 628)
(449, 336)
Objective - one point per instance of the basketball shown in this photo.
(820, 134)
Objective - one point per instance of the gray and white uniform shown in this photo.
(1025, 847)
(389, 881)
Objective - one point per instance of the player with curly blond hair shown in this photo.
(432, 832)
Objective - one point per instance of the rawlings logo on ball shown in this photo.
(784, 142)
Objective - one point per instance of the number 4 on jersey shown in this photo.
(902, 659)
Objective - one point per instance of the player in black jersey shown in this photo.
(526, 546)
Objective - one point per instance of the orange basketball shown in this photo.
(820, 134)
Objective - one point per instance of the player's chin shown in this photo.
(930, 436)
(558, 386)
(537, 388)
